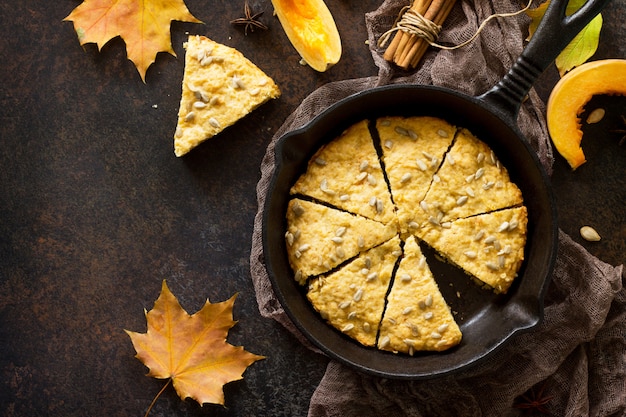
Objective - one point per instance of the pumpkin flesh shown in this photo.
(569, 97)
(312, 31)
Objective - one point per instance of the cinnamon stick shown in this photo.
(401, 38)
(439, 19)
(406, 50)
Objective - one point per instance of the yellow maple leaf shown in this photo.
(191, 350)
(144, 25)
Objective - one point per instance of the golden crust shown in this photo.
(352, 298)
(220, 86)
(417, 317)
(347, 174)
(489, 246)
(319, 238)
(470, 181)
(413, 149)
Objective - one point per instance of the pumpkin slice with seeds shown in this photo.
(352, 298)
(347, 174)
(489, 247)
(319, 238)
(220, 86)
(471, 181)
(412, 148)
(417, 317)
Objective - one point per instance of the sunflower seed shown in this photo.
(479, 173)
(470, 254)
(337, 239)
(461, 200)
(352, 315)
(451, 160)
(405, 277)
(345, 304)
(389, 143)
(421, 165)
(442, 133)
(405, 178)
(480, 157)
(213, 122)
(190, 116)
(358, 295)
(442, 328)
(504, 226)
(384, 342)
(364, 165)
(320, 161)
(401, 131)
(428, 315)
(366, 327)
(347, 327)
(407, 310)
(424, 205)
(371, 179)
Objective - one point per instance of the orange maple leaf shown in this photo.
(191, 350)
(144, 25)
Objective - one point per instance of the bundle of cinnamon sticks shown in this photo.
(406, 49)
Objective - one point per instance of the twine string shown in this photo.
(414, 23)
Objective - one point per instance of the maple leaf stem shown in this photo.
(156, 397)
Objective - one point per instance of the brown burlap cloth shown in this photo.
(577, 354)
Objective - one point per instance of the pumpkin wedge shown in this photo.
(569, 96)
(312, 31)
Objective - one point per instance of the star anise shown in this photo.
(622, 131)
(250, 20)
(534, 401)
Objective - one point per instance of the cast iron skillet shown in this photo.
(486, 320)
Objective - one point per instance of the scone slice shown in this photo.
(352, 298)
(347, 174)
(319, 237)
(471, 181)
(417, 317)
(220, 86)
(413, 149)
(489, 247)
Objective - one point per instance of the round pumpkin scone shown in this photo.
(365, 203)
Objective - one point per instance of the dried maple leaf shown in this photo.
(144, 25)
(191, 350)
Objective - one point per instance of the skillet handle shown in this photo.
(554, 33)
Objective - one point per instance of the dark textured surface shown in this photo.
(95, 210)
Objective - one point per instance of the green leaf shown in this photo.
(582, 47)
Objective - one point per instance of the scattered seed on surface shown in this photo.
(442, 133)
(320, 161)
(421, 165)
(596, 115)
(590, 234)
(347, 327)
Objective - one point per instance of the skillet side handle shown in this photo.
(554, 33)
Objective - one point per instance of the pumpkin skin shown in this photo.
(312, 31)
(569, 96)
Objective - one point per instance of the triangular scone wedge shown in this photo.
(489, 247)
(352, 298)
(470, 181)
(417, 317)
(220, 86)
(346, 173)
(319, 238)
(413, 148)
